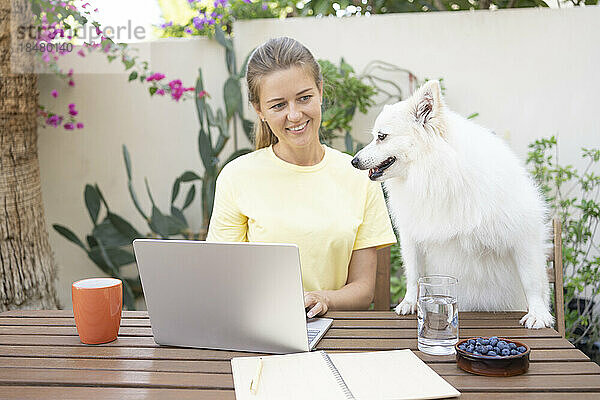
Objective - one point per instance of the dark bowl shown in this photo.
(493, 365)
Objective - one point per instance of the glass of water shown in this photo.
(437, 314)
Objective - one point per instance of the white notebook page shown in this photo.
(298, 376)
(390, 375)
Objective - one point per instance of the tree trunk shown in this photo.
(27, 266)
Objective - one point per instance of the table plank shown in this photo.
(176, 353)
(526, 383)
(331, 333)
(324, 344)
(399, 323)
(224, 367)
(61, 393)
(108, 378)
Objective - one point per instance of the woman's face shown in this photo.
(290, 102)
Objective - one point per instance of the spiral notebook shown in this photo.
(382, 375)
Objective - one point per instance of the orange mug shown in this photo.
(97, 305)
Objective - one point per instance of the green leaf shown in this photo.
(176, 213)
(200, 100)
(165, 225)
(232, 94)
(92, 202)
(206, 150)
(128, 63)
(149, 193)
(248, 128)
(210, 117)
(175, 190)
(106, 233)
(189, 197)
(69, 235)
(127, 160)
(349, 143)
(117, 256)
(128, 296)
(235, 155)
(124, 227)
(220, 36)
(152, 90)
(110, 58)
(101, 197)
(242, 72)
(133, 76)
(189, 176)
(135, 200)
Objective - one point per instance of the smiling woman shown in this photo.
(293, 189)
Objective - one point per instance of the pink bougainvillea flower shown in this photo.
(81, 53)
(79, 125)
(69, 126)
(70, 73)
(98, 31)
(176, 89)
(157, 76)
(85, 5)
(160, 92)
(54, 120)
(72, 110)
(202, 94)
(54, 93)
(71, 83)
(95, 10)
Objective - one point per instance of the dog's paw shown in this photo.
(537, 319)
(406, 307)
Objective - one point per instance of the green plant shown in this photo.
(343, 93)
(109, 243)
(574, 198)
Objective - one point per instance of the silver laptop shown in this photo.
(230, 296)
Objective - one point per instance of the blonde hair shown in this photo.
(274, 55)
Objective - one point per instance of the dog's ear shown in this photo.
(428, 100)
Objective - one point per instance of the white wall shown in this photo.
(529, 73)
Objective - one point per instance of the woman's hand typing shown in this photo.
(317, 303)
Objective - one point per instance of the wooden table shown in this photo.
(41, 357)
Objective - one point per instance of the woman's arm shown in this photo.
(356, 294)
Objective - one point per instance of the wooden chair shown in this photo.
(382, 299)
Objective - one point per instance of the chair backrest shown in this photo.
(382, 299)
(555, 276)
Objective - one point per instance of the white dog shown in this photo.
(463, 206)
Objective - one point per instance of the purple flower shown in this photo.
(69, 126)
(54, 93)
(247, 1)
(54, 120)
(265, 6)
(188, 30)
(79, 125)
(157, 76)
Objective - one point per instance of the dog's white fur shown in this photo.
(463, 205)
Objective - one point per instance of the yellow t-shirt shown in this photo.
(327, 210)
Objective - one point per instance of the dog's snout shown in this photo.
(356, 162)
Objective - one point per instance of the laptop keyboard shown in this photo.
(312, 334)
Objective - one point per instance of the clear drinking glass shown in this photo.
(437, 314)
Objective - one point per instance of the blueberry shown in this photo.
(489, 347)
(485, 342)
(478, 340)
(493, 341)
(477, 353)
(484, 350)
(470, 348)
(462, 346)
(502, 344)
(512, 345)
(471, 342)
(491, 353)
(478, 348)
(521, 349)
(514, 352)
(497, 349)
(505, 352)
(493, 337)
